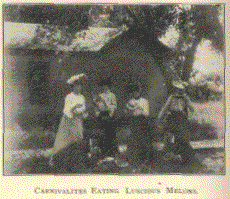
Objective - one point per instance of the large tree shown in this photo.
(195, 23)
(60, 23)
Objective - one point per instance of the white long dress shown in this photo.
(71, 126)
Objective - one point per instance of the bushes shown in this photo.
(202, 93)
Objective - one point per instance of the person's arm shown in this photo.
(79, 105)
(188, 103)
(130, 108)
(112, 105)
(145, 108)
(103, 102)
(96, 100)
(130, 105)
(68, 106)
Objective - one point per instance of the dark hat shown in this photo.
(133, 87)
(105, 82)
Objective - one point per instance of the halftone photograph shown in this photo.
(114, 89)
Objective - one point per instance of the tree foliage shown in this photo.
(194, 24)
(60, 23)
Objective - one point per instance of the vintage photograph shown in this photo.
(134, 89)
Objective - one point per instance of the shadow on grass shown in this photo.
(45, 139)
(37, 142)
(39, 165)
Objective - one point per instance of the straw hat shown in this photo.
(76, 78)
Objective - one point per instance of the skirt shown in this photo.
(69, 132)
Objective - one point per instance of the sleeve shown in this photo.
(79, 105)
(68, 106)
(101, 103)
(113, 104)
(130, 105)
(145, 107)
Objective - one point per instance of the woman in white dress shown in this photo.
(71, 126)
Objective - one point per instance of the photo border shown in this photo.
(207, 186)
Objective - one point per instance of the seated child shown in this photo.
(138, 110)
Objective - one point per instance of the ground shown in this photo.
(209, 161)
(208, 126)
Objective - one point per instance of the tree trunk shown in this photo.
(189, 59)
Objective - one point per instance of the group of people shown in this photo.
(71, 128)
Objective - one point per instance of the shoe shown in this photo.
(171, 156)
(121, 163)
(51, 163)
(106, 159)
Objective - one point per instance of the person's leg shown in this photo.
(102, 138)
(181, 131)
(106, 140)
(138, 143)
(108, 143)
(111, 141)
(183, 148)
(73, 158)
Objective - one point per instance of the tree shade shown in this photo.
(74, 16)
(146, 23)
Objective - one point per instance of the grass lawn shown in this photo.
(207, 123)
(212, 113)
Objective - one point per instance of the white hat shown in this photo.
(75, 78)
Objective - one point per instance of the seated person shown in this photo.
(137, 105)
(138, 110)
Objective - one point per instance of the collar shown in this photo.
(107, 92)
(76, 94)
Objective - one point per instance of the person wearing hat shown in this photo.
(177, 124)
(106, 105)
(181, 101)
(71, 126)
(137, 105)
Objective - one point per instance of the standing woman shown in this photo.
(71, 126)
